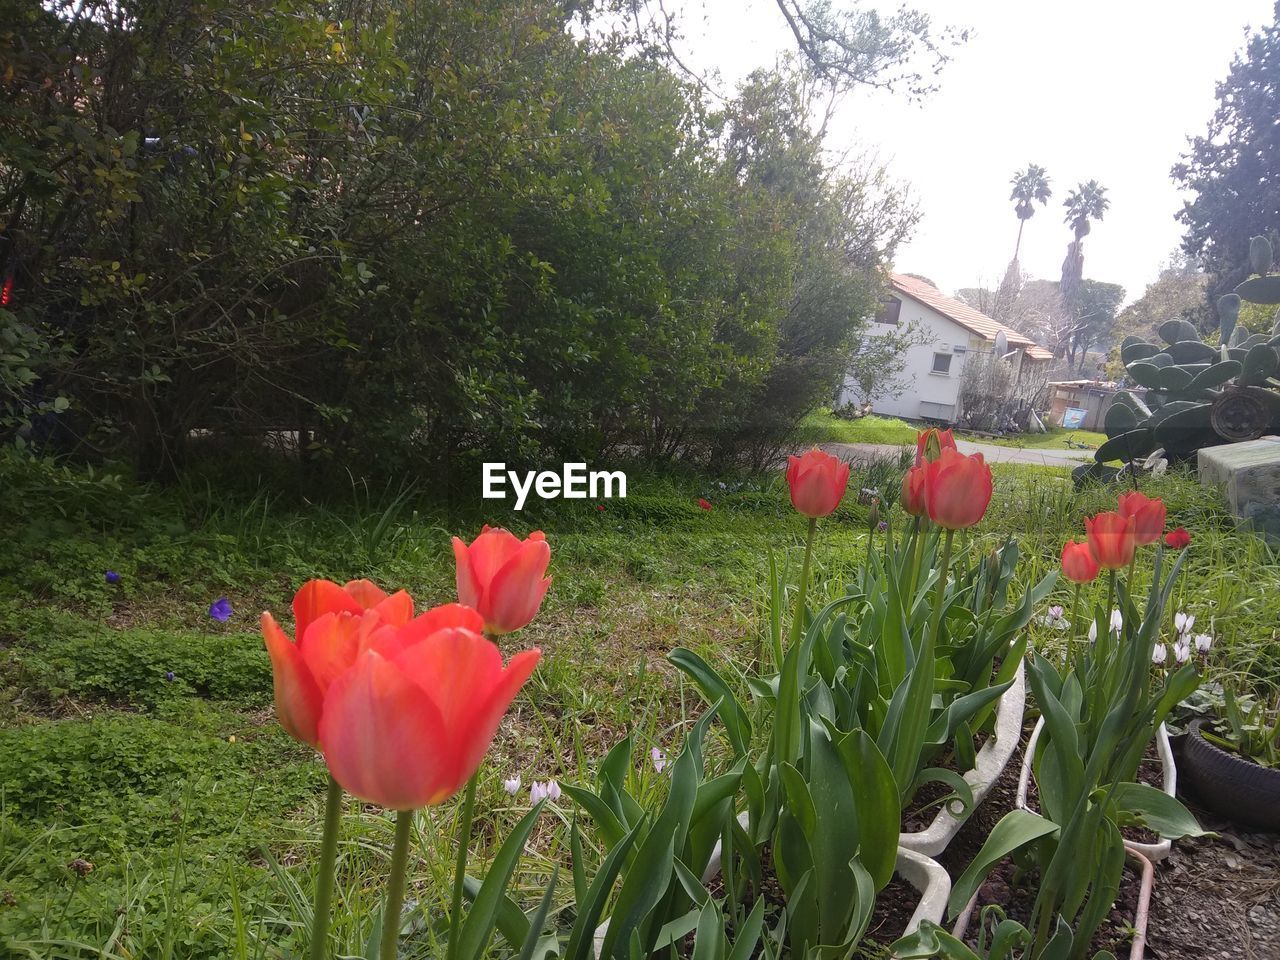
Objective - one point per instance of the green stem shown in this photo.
(1075, 625)
(917, 551)
(802, 593)
(395, 886)
(940, 594)
(460, 869)
(328, 867)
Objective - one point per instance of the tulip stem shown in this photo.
(802, 593)
(1075, 627)
(940, 595)
(328, 867)
(460, 869)
(395, 885)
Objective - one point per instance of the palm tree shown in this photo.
(1088, 201)
(1030, 186)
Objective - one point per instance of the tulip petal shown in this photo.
(517, 589)
(333, 642)
(318, 597)
(365, 592)
(396, 609)
(463, 675)
(298, 697)
(444, 617)
(384, 740)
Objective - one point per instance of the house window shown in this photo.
(942, 364)
(889, 310)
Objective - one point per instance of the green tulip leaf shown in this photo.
(1157, 811)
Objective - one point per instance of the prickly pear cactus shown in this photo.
(1191, 394)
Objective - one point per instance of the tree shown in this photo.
(880, 361)
(1030, 186)
(1096, 305)
(1176, 294)
(1088, 201)
(1233, 171)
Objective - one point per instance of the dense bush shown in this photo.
(393, 237)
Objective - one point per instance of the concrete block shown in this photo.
(1248, 474)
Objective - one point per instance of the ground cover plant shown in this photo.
(152, 806)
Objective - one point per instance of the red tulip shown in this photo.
(343, 619)
(503, 577)
(957, 489)
(1148, 516)
(704, 503)
(931, 440)
(817, 481)
(1112, 539)
(912, 498)
(1177, 539)
(408, 725)
(1078, 562)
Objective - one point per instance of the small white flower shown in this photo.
(1093, 631)
(1117, 622)
(1183, 623)
(659, 759)
(512, 786)
(1182, 650)
(1203, 642)
(723, 485)
(537, 793)
(553, 790)
(1055, 612)
(1159, 655)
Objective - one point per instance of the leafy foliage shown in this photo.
(1233, 171)
(379, 237)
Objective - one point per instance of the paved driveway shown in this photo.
(993, 453)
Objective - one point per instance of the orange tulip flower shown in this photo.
(332, 624)
(502, 577)
(1078, 562)
(817, 481)
(957, 489)
(1112, 539)
(408, 725)
(1148, 516)
(942, 439)
(912, 498)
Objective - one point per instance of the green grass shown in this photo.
(201, 818)
(823, 426)
(1054, 439)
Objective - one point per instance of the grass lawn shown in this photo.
(823, 426)
(1055, 438)
(137, 734)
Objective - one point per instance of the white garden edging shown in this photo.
(1169, 784)
(991, 761)
(931, 880)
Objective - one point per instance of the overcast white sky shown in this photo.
(1104, 89)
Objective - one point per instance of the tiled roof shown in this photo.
(963, 314)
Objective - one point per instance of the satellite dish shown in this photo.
(1002, 344)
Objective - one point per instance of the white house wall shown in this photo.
(925, 395)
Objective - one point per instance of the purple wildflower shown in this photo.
(220, 610)
(112, 577)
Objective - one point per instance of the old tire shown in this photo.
(1230, 785)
